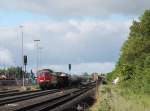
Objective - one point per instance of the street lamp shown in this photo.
(37, 59)
(22, 58)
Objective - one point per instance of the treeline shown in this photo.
(12, 72)
(133, 66)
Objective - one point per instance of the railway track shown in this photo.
(16, 98)
(6, 94)
(8, 91)
(42, 100)
(56, 101)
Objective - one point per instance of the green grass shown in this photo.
(112, 98)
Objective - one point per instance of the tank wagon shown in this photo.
(62, 79)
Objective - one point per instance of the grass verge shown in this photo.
(112, 98)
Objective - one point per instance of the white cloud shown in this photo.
(6, 57)
(8, 33)
(78, 7)
(84, 32)
(70, 41)
(87, 39)
(84, 67)
(30, 46)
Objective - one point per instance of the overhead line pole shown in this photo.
(37, 58)
(40, 56)
(22, 53)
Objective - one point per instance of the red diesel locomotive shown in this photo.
(48, 79)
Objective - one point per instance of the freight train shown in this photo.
(48, 79)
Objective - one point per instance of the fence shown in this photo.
(16, 82)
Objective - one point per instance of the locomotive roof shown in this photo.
(49, 70)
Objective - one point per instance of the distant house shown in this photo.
(2, 77)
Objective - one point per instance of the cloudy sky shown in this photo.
(88, 33)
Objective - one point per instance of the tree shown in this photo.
(134, 62)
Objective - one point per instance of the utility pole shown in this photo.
(21, 28)
(37, 53)
(40, 56)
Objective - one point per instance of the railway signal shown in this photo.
(69, 67)
(25, 59)
(25, 63)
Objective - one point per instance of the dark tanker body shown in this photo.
(62, 79)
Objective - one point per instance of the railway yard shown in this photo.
(46, 100)
(54, 91)
(75, 55)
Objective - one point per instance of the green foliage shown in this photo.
(134, 62)
(12, 72)
(110, 76)
(112, 98)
